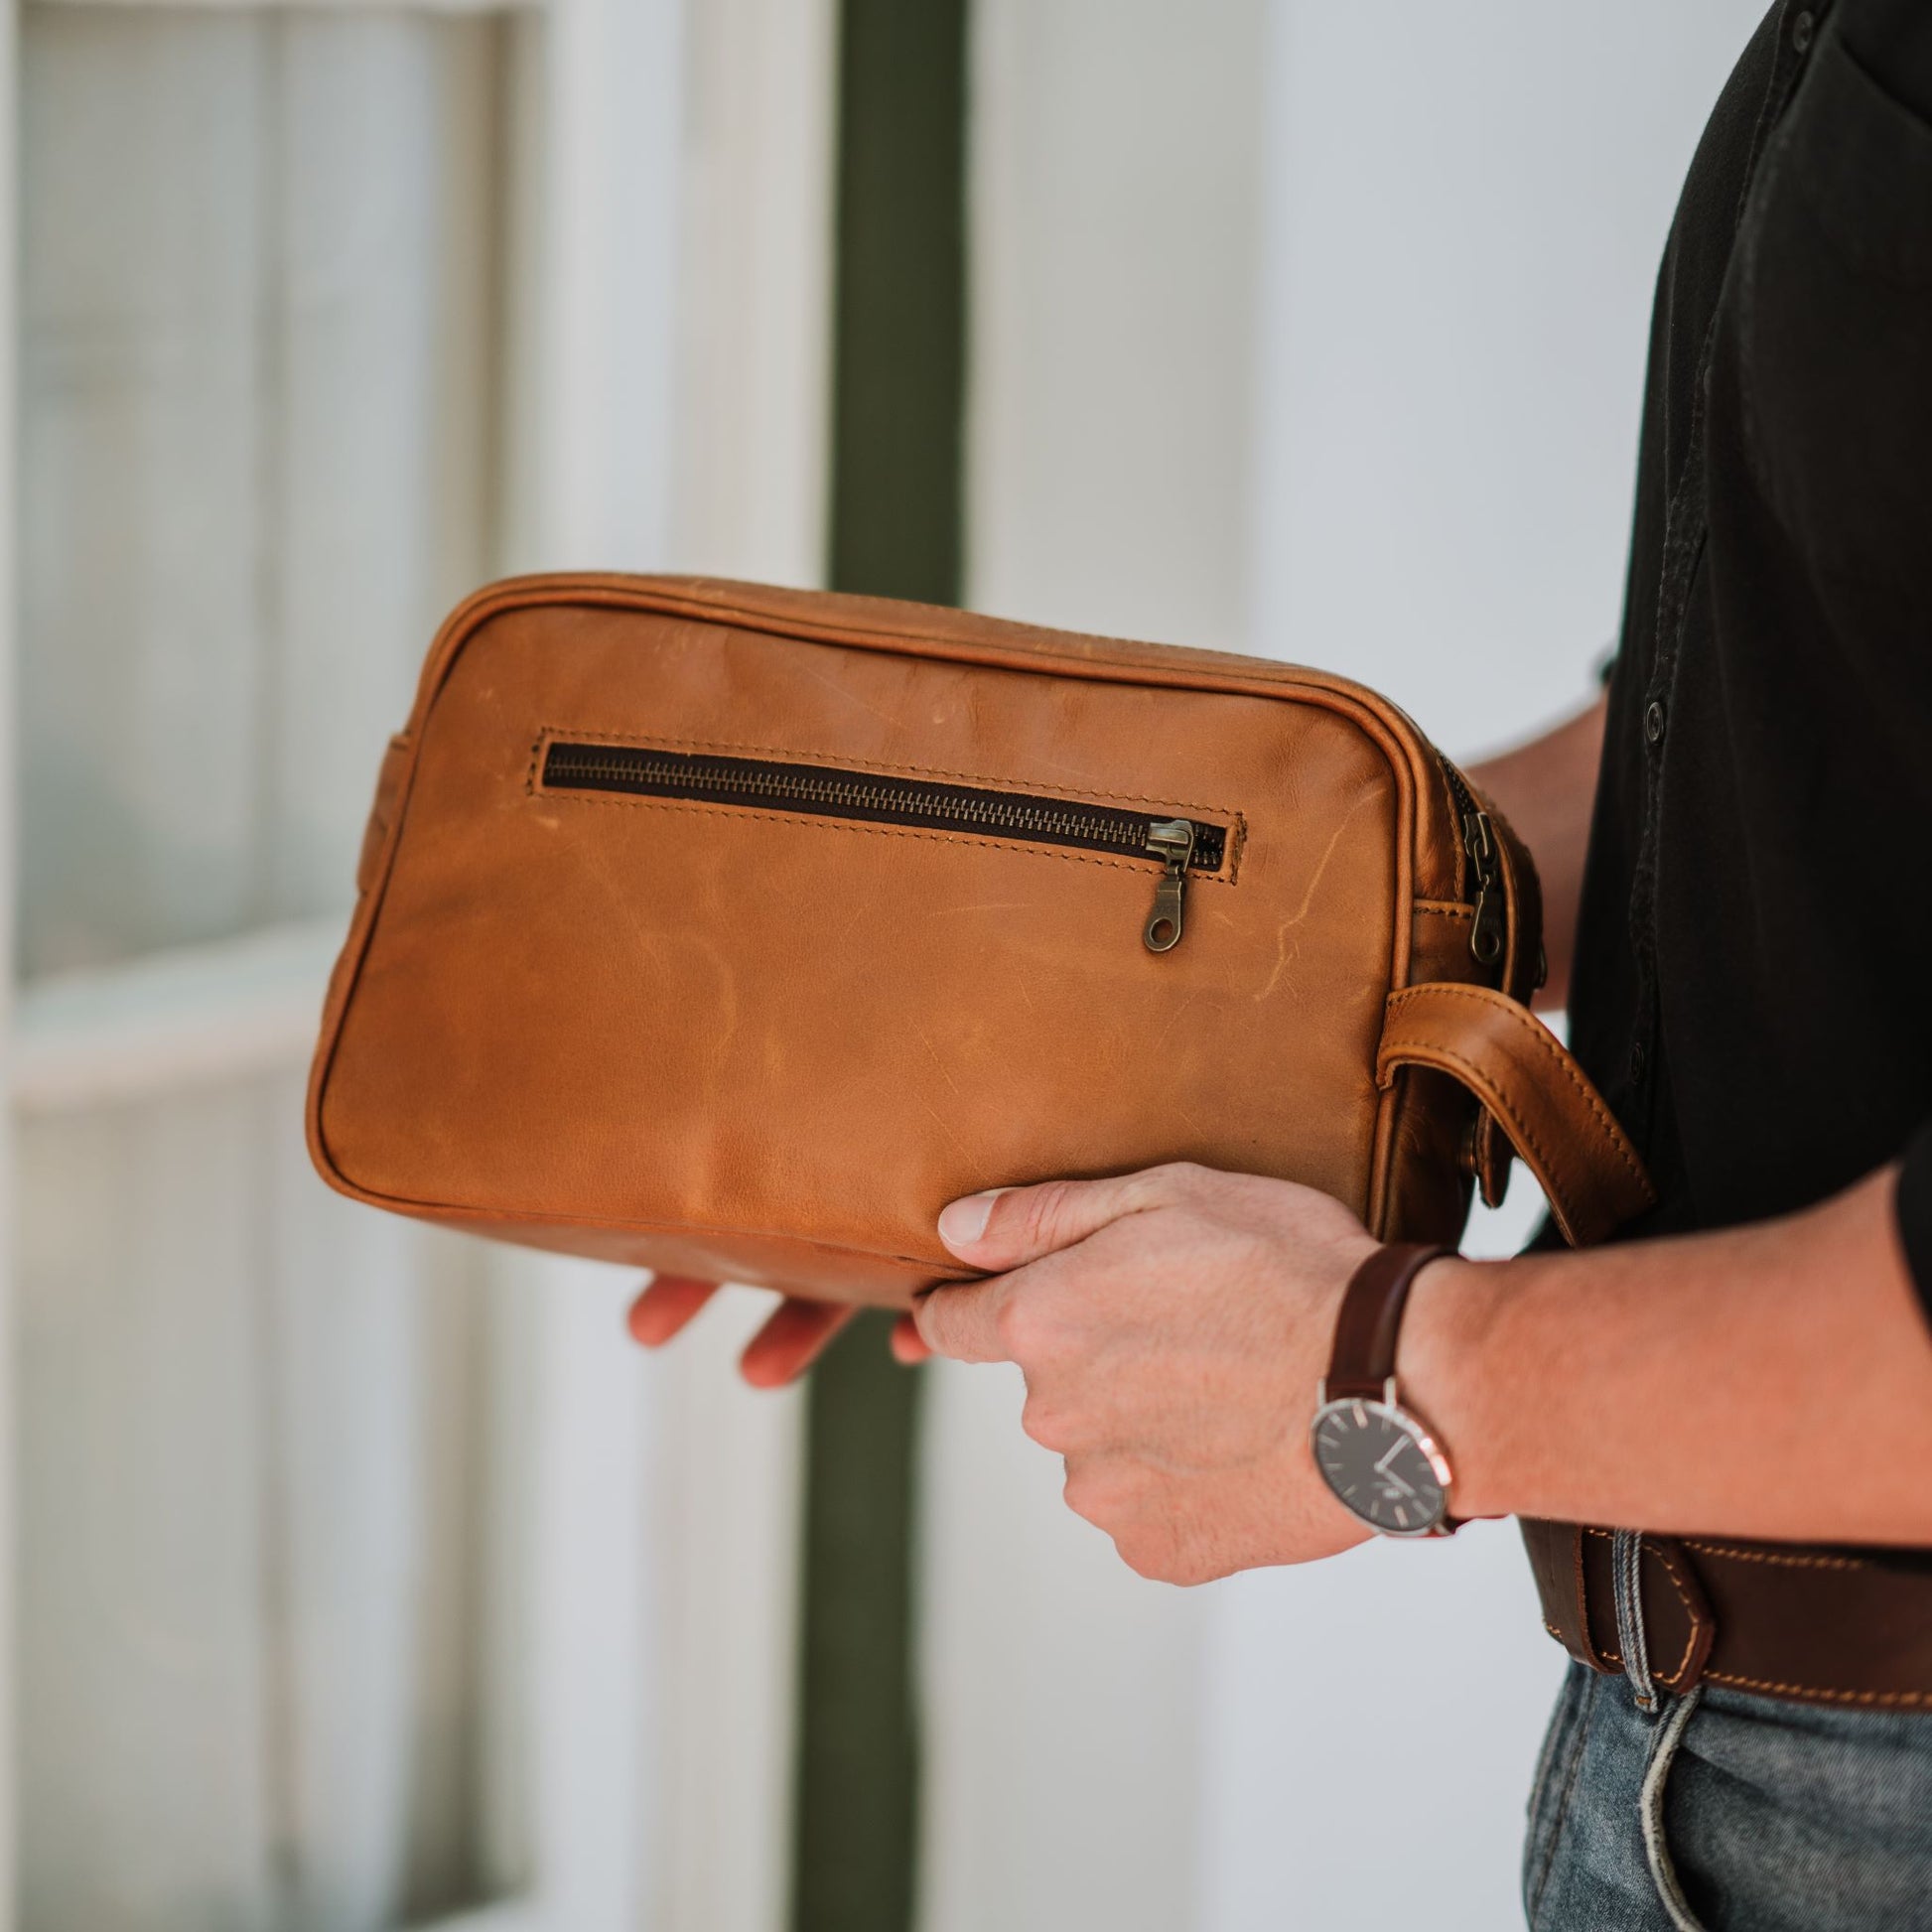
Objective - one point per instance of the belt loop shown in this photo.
(1626, 1581)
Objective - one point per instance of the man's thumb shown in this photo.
(1007, 1227)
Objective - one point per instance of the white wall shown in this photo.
(1116, 180)
(1465, 208)
(1464, 211)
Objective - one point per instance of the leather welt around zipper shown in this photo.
(1182, 845)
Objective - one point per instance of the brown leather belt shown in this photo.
(1818, 1627)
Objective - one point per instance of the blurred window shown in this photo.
(274, 1585)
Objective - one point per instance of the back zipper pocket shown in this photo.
(1180, 845)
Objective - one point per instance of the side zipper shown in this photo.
(1490, 926)
(1183, 845)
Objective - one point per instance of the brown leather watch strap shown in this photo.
(1542, 1099)
(1370, 1318)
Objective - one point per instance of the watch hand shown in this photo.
(1396, 1482)
(1400, 1444)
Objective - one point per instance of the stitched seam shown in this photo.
(1442, 908)
(820, 822)
(1408, 756)
(1580, 1590)
(1493, 1098)
(1553, 1052)
(1782, 1559)
(1562, 1816)
(1777, 1689)
(1585, 1633)
(1677, 1583)
(1582, 1599)
(1690, 1615)
(848, 762)
(464, 1212)
(1609, 1656)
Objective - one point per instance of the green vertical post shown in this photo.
(900, 322)
(899, 379)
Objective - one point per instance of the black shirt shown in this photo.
(1756, 923)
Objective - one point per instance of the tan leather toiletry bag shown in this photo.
(734, 931)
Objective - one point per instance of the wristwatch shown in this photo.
(1379, 1457)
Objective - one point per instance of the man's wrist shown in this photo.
(1455, 1307)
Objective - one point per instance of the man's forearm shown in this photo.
(1771, 1381)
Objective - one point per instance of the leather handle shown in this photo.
(1362, 1358)
(1534, 1091)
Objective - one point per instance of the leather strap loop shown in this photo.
(1555, 1554)
(1574, 1581)
(1370, 1318)
(1536, 1092)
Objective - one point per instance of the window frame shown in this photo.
(176, 1018)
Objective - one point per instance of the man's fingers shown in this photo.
(908, 1344)
(962, 1322)
(666, 1309)
(791, 1341)
(1011, 1226)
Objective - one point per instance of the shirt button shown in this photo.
(1801, 31)
(1637, 1060)
(1653, 721)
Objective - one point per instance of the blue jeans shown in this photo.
(1727, 1812)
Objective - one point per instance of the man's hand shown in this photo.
(1172, 1327)
(797, 1333)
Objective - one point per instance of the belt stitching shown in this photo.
(1690, 1615)
(1772, 1686)
(1819, 1690)
(1779, 1558)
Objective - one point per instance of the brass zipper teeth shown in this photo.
(866, 796)
(1489, 928)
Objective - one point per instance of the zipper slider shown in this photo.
(1172, 839)
(1486, 934)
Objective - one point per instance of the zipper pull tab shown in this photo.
(1486, 934)
(1172, 839)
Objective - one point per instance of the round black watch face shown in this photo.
(1382, 1465)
